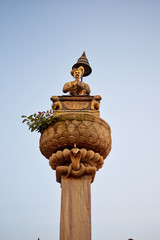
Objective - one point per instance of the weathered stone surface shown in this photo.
(76, 208)
(84, 130)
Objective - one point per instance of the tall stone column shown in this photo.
(76, 144)
(75, 208)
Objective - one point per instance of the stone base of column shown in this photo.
(75, 221)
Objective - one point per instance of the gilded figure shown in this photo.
(77, 87)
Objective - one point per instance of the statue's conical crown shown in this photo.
(83, 61)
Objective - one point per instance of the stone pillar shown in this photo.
(75, 208)
(76, 143)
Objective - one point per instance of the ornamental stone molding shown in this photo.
(84, 130)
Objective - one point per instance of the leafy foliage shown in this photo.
(39, 121)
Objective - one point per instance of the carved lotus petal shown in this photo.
(59, 155)
(81, 139)
(66, 154)
(65, 134)
(53, 161)
(83, 152)
(63, 141)
(90, 155)
(96, 157)
(72, 140)
(71, 128)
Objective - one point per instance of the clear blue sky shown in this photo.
(39, 43)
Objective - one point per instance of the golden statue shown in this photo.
(77, 87)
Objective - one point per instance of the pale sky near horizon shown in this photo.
(39, 43)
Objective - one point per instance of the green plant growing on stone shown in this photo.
(39, 121)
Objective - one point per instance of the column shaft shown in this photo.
(75, 221)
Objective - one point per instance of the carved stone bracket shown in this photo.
(75, 162)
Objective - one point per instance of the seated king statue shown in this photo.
(77, 87)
